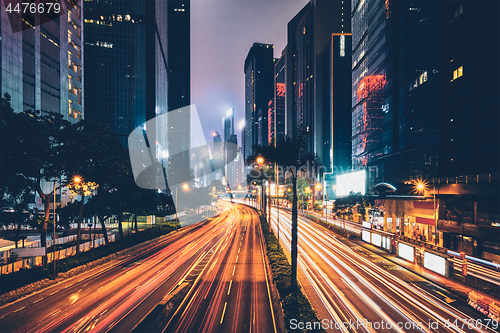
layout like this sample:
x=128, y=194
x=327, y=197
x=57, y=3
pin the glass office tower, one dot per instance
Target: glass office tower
x=126, y=63
x=42, y=61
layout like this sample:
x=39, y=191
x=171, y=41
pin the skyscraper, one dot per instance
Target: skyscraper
x=228, y=125
x=259, y=80
x=470, y=83
x=179, y=86
x=396, y=90
x=42, y=61
x=276, y=106
x=179, y=53
x=126, y=63
x=425, y=106
x=318, y=61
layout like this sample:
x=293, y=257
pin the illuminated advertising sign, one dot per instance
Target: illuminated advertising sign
x=351, y=182
x=26, y=252
x=406, y=252
x=365, y=235
x=435, y=263
x=377, y=240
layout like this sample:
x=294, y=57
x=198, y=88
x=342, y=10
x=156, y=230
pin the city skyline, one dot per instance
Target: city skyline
x=364, y=197
x=222, y=32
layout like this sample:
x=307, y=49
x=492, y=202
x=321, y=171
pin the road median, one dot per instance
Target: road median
x=295, y=304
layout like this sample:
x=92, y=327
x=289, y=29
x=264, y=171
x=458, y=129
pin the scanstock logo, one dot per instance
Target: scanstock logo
x=170, y=153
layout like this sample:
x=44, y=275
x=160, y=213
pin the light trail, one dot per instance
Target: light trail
x=338, y=275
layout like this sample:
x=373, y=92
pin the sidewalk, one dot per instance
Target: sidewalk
x=458, y=288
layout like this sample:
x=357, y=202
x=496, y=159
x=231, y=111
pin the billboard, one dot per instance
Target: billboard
x=365, y=235
x=406, y=252
x=435, y=263
x=27, y=252
x=376, y=240
x=351, y=182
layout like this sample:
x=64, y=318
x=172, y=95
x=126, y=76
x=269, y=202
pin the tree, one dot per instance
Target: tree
x=79, y=186
x=291, y=155
x=94, y=152
x=31, y=154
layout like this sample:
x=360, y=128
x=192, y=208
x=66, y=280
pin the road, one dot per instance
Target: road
x=486, y=271
x=355, y=290
x=117, y=295
x=231, y=294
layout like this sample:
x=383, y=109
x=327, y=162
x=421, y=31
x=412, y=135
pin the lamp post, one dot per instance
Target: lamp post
x=306, y=190
x=420, y=187
x=79, y=187
x=317, y=188
x=185, y=188
x=54, y=236
x=277, y=197
x=260, y=161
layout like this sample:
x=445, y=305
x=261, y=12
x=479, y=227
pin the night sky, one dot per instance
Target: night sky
x=222, y=32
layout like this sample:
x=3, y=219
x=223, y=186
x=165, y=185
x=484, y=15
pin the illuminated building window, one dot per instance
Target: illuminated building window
x=119, y=18
x=69, y=37
x=458, y=11
x=69, y=15
x=458, y=72
x=69, y=82
x=423, y=77
x=69, y=58
x=342, y=45
x=69, y=108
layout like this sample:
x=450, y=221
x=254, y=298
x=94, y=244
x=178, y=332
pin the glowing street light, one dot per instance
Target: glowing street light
x=80, y=187
x=419, y=186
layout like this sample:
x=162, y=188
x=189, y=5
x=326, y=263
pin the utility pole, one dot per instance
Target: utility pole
x=54, y=236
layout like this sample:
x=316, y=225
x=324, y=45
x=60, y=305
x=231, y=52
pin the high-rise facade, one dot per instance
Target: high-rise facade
x=42, y=60
x=179, y=87
x=470, y=85
x=126, y=63
x=179, y=53
x=395, y=90
x=228, y=125
x=259, y=80
x=318, y=60
x=276, y=109
x=425, y=106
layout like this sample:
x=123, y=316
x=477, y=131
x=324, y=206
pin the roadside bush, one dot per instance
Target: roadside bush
x=295, y=304
x=21, y=278
x=66, y=264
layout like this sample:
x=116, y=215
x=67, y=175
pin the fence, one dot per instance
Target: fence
x=61, y=254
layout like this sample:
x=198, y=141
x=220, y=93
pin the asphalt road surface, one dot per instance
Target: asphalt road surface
x=355, y=290
x=118, y=295
x=231, y=294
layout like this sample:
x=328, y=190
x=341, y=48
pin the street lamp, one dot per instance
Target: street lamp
x=80, y=187
x=185, y=188
x=54, y=236
x=317, y=189
x=306, y=190
x=420, y=186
